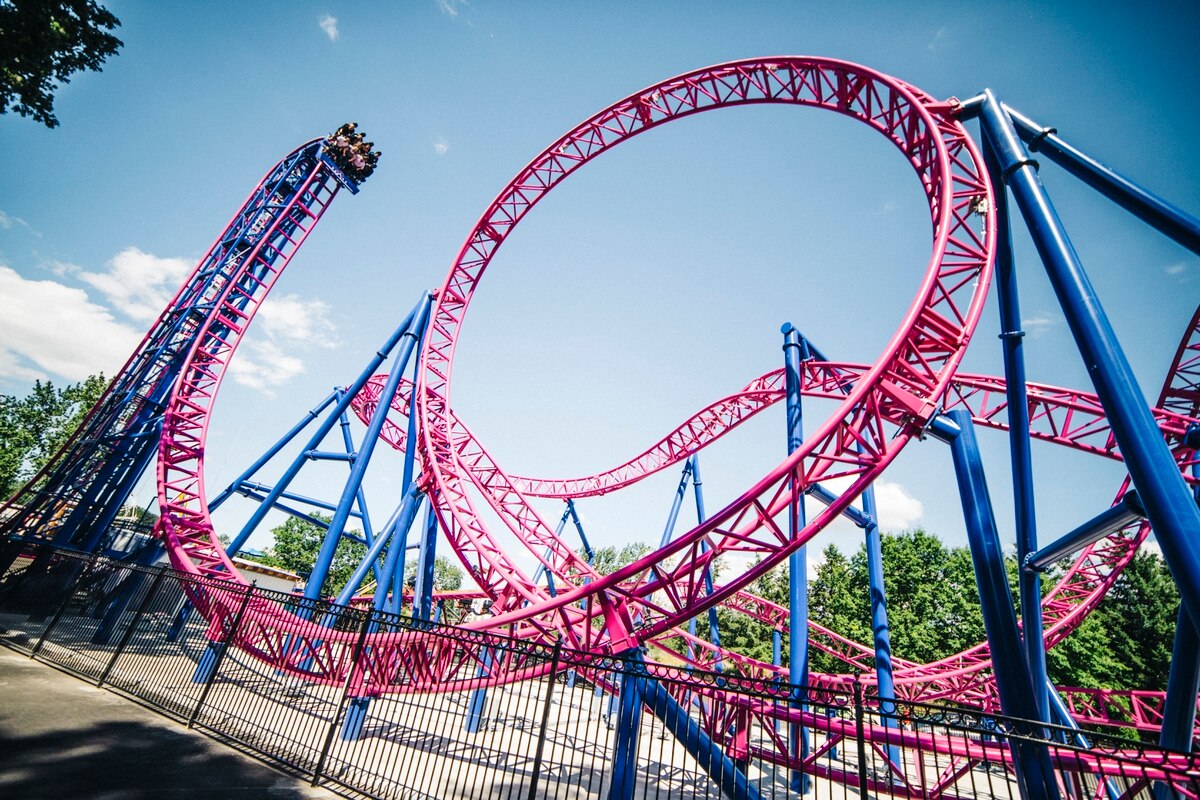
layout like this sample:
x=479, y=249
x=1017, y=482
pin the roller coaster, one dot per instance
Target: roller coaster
x=159, y=406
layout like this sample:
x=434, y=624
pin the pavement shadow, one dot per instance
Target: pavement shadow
x=124, y=760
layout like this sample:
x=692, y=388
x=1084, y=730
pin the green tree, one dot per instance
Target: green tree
x=446, y=575
x=748, y=636
x=1126, y=643
x=297, y=543
x=43, y=43
x=34, y=427
x=610, y=559
x=933, y=612
x=933, y=605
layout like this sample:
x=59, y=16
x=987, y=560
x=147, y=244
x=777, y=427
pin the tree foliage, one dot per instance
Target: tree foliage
x=44, y=42
x=610, y=559
x=933, y=612
x=1126, y=642
x=297, y=543
x=34, y=427
x=446, y=575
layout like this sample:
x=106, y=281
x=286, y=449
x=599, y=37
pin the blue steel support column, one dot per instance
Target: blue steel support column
x=1119, y=515
x=676, y=504
x=583, y=540
x=1035, y=775
x=1153, y=210
x=797, y=561
x=477, y=704
x=410, y=447
x=1029, y=583
x=1163, y=492
x=1183, y=682
x=426, y=561
x=638, y=688
x=714, y=631
x=1062, y=716
x=629, y=724
x=879, y=620
x=395, y=533
x=272, y=451
x=370, y=439
x=344, y=399
x=361, y=495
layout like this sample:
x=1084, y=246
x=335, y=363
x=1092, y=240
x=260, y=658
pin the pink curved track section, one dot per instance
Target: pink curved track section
x=880, y=407
x=1061, y=416
x=885, y=407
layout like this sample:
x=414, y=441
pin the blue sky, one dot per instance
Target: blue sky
x=650, y=283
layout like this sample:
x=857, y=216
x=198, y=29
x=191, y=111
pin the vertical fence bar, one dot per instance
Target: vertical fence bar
x=68, y=595
x=860, y=736
x=137, y=618
x=355, y=656
x=541, y=742
x=220, y=656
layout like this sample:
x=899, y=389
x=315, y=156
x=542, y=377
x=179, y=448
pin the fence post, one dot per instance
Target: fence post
x=224, y=648
x=541, y=743
x=137, y=618
x=68, y=595
x=355, y=656
x=860, y=735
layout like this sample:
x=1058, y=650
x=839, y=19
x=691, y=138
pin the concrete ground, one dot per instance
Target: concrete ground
x=63, y=738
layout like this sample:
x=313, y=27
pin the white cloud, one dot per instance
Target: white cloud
x=263, y=366
x=7, y=222
x=896, y=509
x=328, y=24
x=1177, y=269
x=293, y=320
x=938, y=39
x=1039, y=324
x=48, y=329
x=286, y=324
x=451, y=7
x=441, y=146
x=60, y=269
x=139, y=285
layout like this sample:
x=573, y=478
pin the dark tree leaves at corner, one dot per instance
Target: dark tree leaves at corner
x=43, y=43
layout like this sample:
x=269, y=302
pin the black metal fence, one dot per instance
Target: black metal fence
x=557, y=735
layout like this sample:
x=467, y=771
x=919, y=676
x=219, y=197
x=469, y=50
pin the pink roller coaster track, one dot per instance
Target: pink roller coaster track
x=880, y=407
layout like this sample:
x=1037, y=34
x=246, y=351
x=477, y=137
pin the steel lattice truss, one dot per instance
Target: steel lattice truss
x=173, y=378
x=95, y=470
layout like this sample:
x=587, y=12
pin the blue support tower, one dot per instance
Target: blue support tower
x=74, y=500
x=1012, y=337
x=1035, y=775
x=410, y=339
x=879, y=621
x=797, y=562
x=638, y=689
x=1162, y=490
x=426, y=562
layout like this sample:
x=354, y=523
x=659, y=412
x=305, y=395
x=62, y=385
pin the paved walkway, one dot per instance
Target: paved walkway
x=62, y=738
